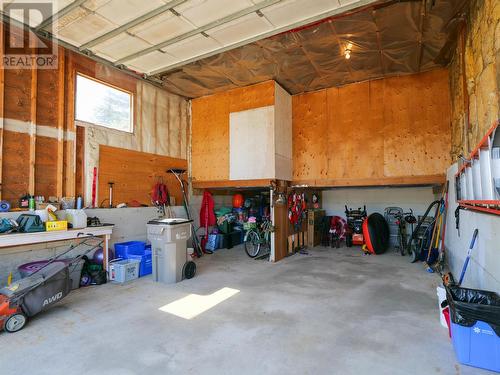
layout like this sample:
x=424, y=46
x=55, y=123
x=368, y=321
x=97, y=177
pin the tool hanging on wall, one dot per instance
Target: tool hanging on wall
x=457, y=218
x=469, y=253
x=297, y=209
x=110, y=184
x=161, y=198
x=94, y=188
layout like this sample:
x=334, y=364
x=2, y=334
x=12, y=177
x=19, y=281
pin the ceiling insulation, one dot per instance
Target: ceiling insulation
x=386, y=39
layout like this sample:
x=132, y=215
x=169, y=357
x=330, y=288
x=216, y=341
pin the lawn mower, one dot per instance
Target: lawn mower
x=355, y=219
x=46, y=286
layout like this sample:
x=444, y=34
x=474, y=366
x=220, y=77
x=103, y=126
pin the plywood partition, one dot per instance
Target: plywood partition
x=210, y=127
x=134, y=173
x=394, y=131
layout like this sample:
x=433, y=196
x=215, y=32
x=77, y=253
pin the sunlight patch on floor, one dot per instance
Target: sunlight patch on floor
x=193, y=305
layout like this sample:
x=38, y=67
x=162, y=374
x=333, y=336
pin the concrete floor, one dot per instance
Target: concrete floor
x=334, y=311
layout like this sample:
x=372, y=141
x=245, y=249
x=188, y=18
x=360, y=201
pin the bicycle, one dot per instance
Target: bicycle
x=258, y=237
x=403, y=218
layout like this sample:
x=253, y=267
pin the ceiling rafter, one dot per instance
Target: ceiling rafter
x=136, y=21
x=67, y=9
x=199, y=30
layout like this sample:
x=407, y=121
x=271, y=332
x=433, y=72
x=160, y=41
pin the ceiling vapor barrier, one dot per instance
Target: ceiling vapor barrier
x=385, y=39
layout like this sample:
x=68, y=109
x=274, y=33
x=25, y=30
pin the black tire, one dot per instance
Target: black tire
x=402, y=245
x=15, y=322
x=189, y=270
x=348, y=241
x=252, y=244
x=414, y=255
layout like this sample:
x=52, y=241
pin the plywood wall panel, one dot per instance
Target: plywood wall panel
x=255, y=96
x=45, y=166
x=17, y=101
x=210, y=127
x=417, y=124
x=310, y=138
x=15, y=178
x=384, y=130
x=210, y=138
x=48, y=98
x=134, y=174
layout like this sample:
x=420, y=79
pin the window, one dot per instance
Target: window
x=103, y=105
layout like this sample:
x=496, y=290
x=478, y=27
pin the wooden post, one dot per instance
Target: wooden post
x=60, y=122
x=70, y=149
x=2, y=106
x=32, y=144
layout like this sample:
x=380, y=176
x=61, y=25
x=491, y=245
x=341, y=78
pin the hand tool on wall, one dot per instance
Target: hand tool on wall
x=110, y=184
x=94, y=188
x=467, y=259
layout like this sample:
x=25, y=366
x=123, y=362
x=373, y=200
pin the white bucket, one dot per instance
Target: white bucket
x=441, y=293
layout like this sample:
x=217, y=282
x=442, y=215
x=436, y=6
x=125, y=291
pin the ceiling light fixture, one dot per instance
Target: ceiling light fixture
x=348, y=50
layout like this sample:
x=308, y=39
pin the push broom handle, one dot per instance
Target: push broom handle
x=469, y=252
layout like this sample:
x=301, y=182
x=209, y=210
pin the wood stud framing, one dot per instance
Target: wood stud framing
x=2, y=106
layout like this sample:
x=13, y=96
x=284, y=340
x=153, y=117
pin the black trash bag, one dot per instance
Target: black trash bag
x=467, y=306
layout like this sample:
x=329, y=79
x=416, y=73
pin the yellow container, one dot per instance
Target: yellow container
x=56, y=225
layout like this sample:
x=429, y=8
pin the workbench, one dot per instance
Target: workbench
x=18, y=239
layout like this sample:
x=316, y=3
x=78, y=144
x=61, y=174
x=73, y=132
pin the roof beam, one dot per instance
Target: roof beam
x=129, y=25
x=61, y=13
x=211, y=25
x=307, y=21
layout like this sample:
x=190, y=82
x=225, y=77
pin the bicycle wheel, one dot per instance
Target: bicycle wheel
x=403, y=245
x=252, y=244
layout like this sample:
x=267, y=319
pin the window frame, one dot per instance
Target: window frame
x=107, y=84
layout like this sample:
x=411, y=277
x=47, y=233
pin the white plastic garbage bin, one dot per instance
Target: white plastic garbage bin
x=168, y=245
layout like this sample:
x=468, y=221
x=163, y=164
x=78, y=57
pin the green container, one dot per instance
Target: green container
x=226, y=227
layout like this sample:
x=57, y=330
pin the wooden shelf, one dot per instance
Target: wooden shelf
x=225, y=184
x=490, y=207
x=376, y=181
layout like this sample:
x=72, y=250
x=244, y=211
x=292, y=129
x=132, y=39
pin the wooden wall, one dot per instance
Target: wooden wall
x=33, y=127
x=210, y=128
x=386, y=132
x=134, y=173
x=43, y=151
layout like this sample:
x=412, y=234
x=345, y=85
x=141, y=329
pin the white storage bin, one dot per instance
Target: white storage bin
x=121, y=271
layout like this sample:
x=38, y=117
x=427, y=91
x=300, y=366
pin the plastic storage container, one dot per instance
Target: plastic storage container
x=475, y=327
x=146, y=266
x=136, y=250
x=124, y=249
x=121, y=271
x=77, y=218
